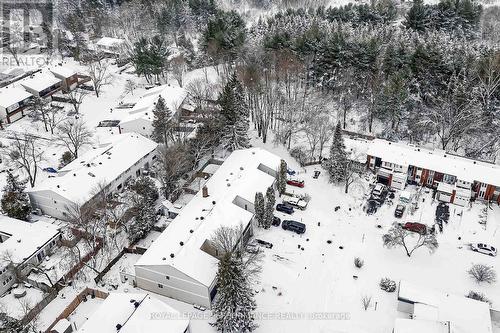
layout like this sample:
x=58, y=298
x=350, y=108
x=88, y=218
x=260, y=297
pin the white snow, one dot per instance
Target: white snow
x=464, y=314
x=110, y=42
x=23, y=239
x=63, y=71
x=436, y=160
x=40, y=81
x=101, y=165
x=9, y=96
x=238, y=176
x=151, y=315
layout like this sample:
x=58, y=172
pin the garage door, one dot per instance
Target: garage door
x=445, y=197
x=461, y=201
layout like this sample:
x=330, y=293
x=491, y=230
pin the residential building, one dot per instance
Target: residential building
x=67, y=75
x=456, y=179
x=182, y=262
x=42, y=84
x=23, y=245
x=132, y=313
x=140, y=117
x=13, y=101
x=108, y=166
x=109, y=45
x=431, y=311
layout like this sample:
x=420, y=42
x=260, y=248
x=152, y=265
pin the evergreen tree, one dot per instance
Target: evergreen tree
x=234, y=115
x=144, y=220
x=146, y=188
x=269, y=211
x=234, y=302
x=336, y=163
x=281, y=179
x=14, y=201
x=161, y=121
x=417, y=17
x=259, y=208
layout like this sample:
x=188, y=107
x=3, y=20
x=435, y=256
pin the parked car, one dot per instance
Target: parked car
x=378, y=190
x=295, y=182
x=415, y=227
x=290, y=172
x=294, y=226
x=484, y=249
x=276, y=221
x=295, y=202
x=316, y=174
x=264, y=243
x=371, y=207
x=400, y=209
x=284, y=208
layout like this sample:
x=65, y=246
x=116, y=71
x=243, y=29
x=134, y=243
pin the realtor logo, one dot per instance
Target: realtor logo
x=26, y=28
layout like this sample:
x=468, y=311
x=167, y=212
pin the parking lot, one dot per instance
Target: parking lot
x=314, y=271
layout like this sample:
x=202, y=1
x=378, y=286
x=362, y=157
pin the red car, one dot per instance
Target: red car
x=295, y=182
x=415, y=227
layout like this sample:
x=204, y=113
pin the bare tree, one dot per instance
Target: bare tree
x=76, y=97
x=174, y=161
x=99, y=73
x=410, y=241
x=54, y=117
x=179, y=68
x=73, y=135
x=230, y=240
x=25, y=153
x=482, y=273
x=41, y=107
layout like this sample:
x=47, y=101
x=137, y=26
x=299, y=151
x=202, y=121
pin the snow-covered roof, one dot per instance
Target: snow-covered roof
x=104, y=163
x=110, y=41
x=23, y=239
x=357, y=148
x=402, y=325
x=464, y=314
x=436, y=160
x=12, y=95
x=143, y=109
x=120, y=308
x=63, y=71
x=40, y=81
x=239, y=176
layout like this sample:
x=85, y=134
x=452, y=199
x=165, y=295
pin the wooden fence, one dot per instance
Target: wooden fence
x=82, y=296
x=39, y=307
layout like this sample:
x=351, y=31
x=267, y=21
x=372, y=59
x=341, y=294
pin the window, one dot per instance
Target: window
x=160, y=286
x=138, y=173
x=119, y=187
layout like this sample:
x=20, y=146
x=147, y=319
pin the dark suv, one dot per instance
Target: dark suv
x=284, y=208
x=400, y=209
x=294, y=226
x=276, y=221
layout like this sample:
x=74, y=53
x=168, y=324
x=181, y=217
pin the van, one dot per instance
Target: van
x=294, y=226
x=295, y=202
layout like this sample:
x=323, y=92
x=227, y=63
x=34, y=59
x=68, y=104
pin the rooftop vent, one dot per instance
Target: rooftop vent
x=118, y=327
x=181, y=243
x=205, y=191
x=88, y=165
x=213, y=202
x=74, y=174
x=241, y=168
x=58, y=186
x=136, y=304
x=91, y=174
x=19, y=240
x=172, y=255
x=132, y=301
x=163, y=258
x=202, y=218
x=191, y=231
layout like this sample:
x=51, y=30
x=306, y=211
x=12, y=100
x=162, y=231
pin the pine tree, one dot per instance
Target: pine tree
x=144, y=220
x=269, y=211
x=161, y=121
x=234, y=301
x=14, y=201
x=146, y=188
x=281, y=179
x=417, y=17
x=234, y=115
x=259, y=209
x=336, y=163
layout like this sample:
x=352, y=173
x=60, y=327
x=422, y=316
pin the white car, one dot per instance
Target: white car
x=295, y=202
x=378, y=190
x=484, y=248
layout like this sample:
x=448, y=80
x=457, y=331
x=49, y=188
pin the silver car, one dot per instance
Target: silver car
x=484, y=249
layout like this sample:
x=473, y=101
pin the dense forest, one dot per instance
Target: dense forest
x=424, y=73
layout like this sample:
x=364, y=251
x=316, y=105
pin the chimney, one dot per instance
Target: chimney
x=205, y=191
